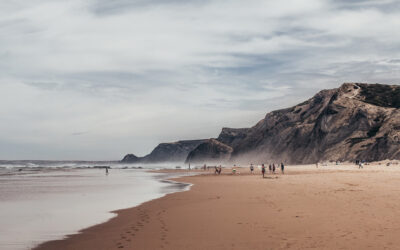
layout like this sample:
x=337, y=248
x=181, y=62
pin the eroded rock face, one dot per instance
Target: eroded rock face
x=355, y=121
x=380, y=95
x=131, y=158
x=172, y=152
x=210, y=151
x=166, y=152
x=232, y=136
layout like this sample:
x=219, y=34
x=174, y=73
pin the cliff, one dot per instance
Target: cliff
x=355, y=121
x=166, y=152
x=210, y=151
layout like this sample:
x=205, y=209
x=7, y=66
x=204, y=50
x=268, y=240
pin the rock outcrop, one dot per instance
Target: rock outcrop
x=130, y=158
x=210, y=151
x=355, y=121
x=166, y=152
x=232, y=136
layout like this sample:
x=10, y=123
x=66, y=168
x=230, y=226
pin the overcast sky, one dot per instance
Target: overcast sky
x=96, y=79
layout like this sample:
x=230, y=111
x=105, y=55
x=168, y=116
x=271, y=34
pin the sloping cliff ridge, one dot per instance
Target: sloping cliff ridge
x=166, y=152
x=354, y=121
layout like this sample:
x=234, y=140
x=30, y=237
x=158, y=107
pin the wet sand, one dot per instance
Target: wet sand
x=326, y=208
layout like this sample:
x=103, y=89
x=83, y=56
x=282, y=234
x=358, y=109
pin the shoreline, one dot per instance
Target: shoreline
x=166, y=178
x=324, y=208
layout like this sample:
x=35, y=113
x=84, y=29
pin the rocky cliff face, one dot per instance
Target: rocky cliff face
x=355, y=121
x=166, y=152
x=232, y=136
x=210, y=151
x=130, y=158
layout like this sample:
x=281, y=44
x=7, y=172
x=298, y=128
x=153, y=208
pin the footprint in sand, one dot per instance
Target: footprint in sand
x=129, y=232
x=351, y=184
x=164, y=231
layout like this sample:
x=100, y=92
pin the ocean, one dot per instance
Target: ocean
x=49, y=200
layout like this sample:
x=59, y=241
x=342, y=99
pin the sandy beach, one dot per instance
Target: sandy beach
x=330, y=207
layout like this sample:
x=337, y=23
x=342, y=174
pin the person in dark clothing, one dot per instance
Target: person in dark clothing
x=251, y=168
x=282, y=168
x=270, y=168
x=263, y=170
x=273, y=168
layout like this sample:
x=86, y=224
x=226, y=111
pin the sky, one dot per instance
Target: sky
x=97, y=79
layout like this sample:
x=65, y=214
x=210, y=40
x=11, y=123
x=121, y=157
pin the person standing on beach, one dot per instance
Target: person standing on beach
x=273, y=168
x=282, y=168
x=251, y=168
x=263, y=170
x=219, y=169
x=106, y=170
x=270, y=168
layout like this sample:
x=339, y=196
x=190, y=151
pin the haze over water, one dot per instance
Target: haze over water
x=40, y=204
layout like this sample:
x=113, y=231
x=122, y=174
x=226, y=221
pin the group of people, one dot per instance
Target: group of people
x=271, y=167
x=218, y=169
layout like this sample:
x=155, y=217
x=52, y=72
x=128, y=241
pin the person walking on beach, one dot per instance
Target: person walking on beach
x=216, y=170
x=282, y=168
x=270, y=168
x=263, y=170
x=106, y=170
x=273, y=168
x=219, y=169
x=251, y=168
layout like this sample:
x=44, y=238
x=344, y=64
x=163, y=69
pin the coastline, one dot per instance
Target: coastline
x=169, y=178
x=324, y=208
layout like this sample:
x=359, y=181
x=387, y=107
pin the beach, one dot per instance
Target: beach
x=45, y=202
x=330, y=207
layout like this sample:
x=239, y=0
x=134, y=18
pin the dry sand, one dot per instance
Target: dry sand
x=333, y=207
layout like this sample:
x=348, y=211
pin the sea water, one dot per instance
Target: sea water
x=41, y=203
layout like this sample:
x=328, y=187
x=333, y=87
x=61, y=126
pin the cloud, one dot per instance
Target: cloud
x=135, y=73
